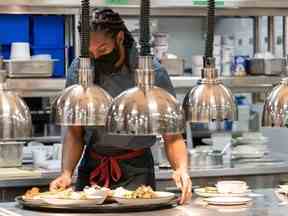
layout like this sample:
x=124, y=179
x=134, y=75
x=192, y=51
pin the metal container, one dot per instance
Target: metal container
x=203, y=159
x=174, y=67
x=11, y=154
x=29, y=68
x=270, y=67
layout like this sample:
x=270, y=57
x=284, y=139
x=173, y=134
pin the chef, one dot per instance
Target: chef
x=104, y=160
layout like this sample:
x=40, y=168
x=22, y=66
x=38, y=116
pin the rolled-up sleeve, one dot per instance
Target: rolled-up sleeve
x=162, y=78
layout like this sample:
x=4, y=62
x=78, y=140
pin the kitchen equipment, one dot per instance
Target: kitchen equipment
x=210, y=104
x=11, y=154
x=20, y=51
x=15, y=117
x=174, y=67
x=145, y=109
x=267, y=64
x=83, y=104
x=203, y=159
x=105, y=208
x=29, y=68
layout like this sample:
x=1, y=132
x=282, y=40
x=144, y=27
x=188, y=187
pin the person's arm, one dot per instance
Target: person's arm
x=177, y=155
x=72, y=151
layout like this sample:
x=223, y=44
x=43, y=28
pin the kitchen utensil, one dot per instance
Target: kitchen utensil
x=211, y=159
x=29, y=68
x=232, y=187
x=20, y=51
x=228, y=200
x=11, y=154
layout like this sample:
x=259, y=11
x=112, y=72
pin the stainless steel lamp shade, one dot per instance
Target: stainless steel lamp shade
x=145, y=109
x=209, y=101
x=15, y=117
x=82, y=104
x=275, y=112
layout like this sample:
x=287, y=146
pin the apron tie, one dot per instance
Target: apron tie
x=109, y=167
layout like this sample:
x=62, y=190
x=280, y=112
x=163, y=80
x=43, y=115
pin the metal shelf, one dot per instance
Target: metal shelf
x=51, y=87
x=36, y=87
x=236, y=84
x=159, y=7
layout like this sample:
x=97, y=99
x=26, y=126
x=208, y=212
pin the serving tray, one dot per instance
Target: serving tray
x=105, y=208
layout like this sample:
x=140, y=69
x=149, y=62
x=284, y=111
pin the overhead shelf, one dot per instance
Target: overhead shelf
x=237, y=84
x=51, y=87
x=159, y=7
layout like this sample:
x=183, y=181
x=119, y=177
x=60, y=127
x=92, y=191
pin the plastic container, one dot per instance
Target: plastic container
x=20, y=51
x=59, y=54
x=48, y=31
x=11, y=154
x=14, y=28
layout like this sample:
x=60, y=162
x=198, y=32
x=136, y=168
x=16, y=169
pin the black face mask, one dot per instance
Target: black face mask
x=106, y=63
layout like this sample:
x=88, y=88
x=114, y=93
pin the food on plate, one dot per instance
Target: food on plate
x=210, y=190
x=30, y=194
x=283, y=189
x=68, y=194
x=142, y=192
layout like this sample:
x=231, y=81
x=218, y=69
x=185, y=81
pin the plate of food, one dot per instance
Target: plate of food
x=207, y=192
x=89, y=196
x=143, y=195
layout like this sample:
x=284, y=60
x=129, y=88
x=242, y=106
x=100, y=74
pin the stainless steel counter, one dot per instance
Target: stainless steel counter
x=266, y=204
x=249, y=168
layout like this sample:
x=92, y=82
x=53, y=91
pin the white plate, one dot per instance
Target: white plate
x=228, y=200
x=202, y=193
x=67, y=202
x=162, y=198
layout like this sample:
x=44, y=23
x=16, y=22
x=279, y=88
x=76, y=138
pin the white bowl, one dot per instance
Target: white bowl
x=235, y=187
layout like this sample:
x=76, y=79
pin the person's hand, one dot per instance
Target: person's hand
x=183, y=182
x=64, y=181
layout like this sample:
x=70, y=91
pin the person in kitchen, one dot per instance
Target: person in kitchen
x=104, y=162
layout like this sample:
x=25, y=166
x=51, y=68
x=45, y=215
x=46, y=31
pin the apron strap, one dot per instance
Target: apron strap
x=109, y=167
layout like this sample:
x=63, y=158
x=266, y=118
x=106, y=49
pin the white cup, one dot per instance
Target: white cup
x=57, y=151
x=197, y=61
x=235, y=187
x=20, y=51
x=39, y=156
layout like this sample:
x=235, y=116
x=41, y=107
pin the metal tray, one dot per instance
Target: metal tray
x=29, y=68
x=105, y=208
